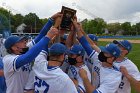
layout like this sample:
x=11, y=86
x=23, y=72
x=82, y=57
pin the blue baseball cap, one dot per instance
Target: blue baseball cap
x=93, y=37
x=57, y=49
x=77, y=50
x=10, y=41
x=124, y=43
x=112, y=49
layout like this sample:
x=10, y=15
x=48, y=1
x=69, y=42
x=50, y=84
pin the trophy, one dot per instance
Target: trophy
x=68, y=14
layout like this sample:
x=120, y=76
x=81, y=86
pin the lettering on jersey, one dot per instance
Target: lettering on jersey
x=74, y=72
x=122, y=83
x=40, y=84
x=96, y=75
x=27, y=67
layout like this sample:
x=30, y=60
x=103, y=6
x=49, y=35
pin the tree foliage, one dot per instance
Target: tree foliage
x=93, y=26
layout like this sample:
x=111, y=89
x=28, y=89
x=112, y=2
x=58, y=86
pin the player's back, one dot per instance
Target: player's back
x=52, y=80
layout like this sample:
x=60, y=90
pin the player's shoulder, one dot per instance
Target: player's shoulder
x=111, y=73
x=9, y=58
x=84, y=67
x=61, y=74
x=128, y=63
x=42, y=57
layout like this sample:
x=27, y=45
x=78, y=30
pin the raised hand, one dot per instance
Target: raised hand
x=52, y=32
x=124, y=71
x=58, y=14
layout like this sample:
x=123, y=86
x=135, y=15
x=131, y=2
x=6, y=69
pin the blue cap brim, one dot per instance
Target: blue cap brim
x=103, y=49
x=70, y=52
x=22, y=38
x=120, y=43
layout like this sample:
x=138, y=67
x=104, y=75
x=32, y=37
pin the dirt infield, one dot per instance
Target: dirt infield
x=110, y=40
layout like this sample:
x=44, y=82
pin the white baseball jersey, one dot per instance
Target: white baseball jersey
x=124, y=86
x=30, y=83
x=88, y=62
x=74, y=73
x=105, y=79
x=51, y=79
x=15, y=78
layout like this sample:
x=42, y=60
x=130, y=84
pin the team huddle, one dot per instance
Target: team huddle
x=75, y=64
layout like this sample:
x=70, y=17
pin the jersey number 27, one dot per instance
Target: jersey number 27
x=39, y=84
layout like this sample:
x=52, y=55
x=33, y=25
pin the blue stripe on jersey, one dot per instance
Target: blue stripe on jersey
x=115, y=68
x=73, y=70
x=14, y=63
x=45, y=52
x=97, y=91
x=33, y=42
x=93, y=52
x=50, y=68
x=81, y=89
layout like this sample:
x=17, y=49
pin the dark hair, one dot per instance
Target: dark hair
x=54, y=56
x=9, y=51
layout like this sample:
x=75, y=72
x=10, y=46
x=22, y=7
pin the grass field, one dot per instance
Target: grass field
x=134, y=55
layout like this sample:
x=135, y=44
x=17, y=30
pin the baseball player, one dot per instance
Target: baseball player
x=15, y=60
x=2, y=79
x=76, y=62
x=106, y=77
x=49, y=78
x=125, y=47
x=130, y=78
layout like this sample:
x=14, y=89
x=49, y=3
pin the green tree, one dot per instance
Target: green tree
x=138, y=28
x=5, y=19
x=18, y=19
x=4, y=23
x=32, y=21
x=126, y=27
x=113, y=28
x=95, y=26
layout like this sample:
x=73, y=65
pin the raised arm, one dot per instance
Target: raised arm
x=47, y=27
x=93, y=45
x=70, y=39
x=82, y=39
x=35, y=50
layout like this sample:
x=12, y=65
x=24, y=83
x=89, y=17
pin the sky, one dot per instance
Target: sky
x=110, y=10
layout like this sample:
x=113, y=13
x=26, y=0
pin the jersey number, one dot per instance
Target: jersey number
x=40, y=83
x=122, y=83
